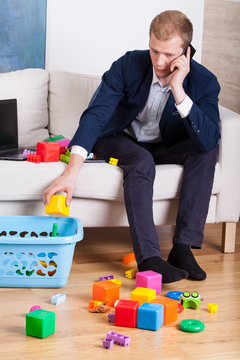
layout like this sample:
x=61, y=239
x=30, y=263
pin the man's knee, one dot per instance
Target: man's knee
x=139, y=164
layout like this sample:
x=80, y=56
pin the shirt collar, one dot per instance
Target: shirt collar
x=156, y=80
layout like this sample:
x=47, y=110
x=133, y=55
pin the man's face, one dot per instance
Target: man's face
x=163, y=52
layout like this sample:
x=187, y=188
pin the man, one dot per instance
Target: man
x=155, y=107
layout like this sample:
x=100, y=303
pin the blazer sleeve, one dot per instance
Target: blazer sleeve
x=101, y=107
x=203, y=121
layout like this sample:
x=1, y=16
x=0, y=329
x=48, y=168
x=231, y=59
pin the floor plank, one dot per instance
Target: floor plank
x=79, y=334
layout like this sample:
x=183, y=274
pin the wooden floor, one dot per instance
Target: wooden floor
x=79, y=334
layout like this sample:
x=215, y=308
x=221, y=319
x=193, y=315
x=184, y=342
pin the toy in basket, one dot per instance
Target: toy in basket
x=30, y=254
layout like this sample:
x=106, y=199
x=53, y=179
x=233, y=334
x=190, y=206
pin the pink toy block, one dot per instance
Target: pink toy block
x=107, y=343
x=35, y=307
x=118, y=339
x=63, y=142
x=149, y=279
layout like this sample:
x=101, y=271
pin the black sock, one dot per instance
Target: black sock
x=182, y=257
x=169, y=272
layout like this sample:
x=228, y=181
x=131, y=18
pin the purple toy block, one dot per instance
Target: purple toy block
x=107, y=343
x=106, y=277
x=111, y=316
x=149, y=279
x=118, y=339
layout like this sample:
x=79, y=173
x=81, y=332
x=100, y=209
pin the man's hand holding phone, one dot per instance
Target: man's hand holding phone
x=179, y=67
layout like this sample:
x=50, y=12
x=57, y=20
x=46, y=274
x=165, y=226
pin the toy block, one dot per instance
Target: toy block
x=34, y=158
x=106, y=277
x=212, y=308
x=105, y=291
x=126, y=313
x=64, y=158
x=149, y=279
x=118, y=339
x=116, y=281
x=35, y=307
x=26, y=152
x=57, y=206
x=40, y=323
x=188, y=300
x=55, y=138
x=170, y=309
x=58, y=299
x=63, y=142
x=113, y=161
x=93, y=304
x=49, y=151
x=150, y=316
x=111, y=316
x=108, y=343
x=128, y=258
x=131, y=274
x=143, y=295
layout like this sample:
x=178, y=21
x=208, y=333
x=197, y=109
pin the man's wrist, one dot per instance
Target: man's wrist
x=179, y=94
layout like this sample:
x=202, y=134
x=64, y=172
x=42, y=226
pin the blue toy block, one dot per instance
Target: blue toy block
x=150, y=316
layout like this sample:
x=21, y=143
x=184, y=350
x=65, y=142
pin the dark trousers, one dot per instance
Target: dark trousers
x=138, y=160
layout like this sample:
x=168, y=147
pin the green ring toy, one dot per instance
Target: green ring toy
x=191, y=325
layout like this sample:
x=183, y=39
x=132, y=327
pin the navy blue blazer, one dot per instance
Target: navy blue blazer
x=123, y=92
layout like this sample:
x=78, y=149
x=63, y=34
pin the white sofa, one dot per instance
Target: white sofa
x=51, y=104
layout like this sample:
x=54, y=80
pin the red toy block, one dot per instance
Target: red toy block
x=170, y=308
x=106, y=291
x=34, y=158
x=48, y=151
x=126, y=313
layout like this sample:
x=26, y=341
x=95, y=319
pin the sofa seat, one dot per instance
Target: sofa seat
x=24, y=180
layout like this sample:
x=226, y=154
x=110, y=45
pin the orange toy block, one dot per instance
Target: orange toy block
x=49, y=151
x=106, y=290
x=128, y=258
x=170, y=308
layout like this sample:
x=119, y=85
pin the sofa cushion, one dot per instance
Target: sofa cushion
x=69, y=95
x=30, y=88
x=27, y=181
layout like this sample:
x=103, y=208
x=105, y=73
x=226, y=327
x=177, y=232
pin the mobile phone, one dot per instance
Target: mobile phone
x=192, y=50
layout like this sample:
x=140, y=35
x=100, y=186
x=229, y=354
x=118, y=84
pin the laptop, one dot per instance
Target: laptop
x=9, y=149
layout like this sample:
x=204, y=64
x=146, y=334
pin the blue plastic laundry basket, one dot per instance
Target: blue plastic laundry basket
x=30, y=256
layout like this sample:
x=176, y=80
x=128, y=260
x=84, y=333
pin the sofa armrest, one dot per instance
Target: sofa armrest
x=228, y=203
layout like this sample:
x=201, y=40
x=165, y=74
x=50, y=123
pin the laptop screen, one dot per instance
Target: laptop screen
x=8, y=124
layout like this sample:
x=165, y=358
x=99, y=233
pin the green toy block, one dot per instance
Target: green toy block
x=54, y=138
x=40, y=323
x=64, y=158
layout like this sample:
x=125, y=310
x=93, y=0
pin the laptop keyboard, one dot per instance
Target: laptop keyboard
x=11, y=152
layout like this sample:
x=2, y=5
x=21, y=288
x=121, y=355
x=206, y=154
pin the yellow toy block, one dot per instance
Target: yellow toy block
x=212, y=308
x=143, y=295
x=57, y=206
x=113, y=161
x=131, y=274
x=116, y=281
x=93, y=304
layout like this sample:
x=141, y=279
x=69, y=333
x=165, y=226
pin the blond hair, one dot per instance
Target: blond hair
x=171, y=23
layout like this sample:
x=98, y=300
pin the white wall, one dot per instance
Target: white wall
x=86, y=36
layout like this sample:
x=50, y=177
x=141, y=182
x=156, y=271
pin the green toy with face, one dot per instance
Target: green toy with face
x=190, y=300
